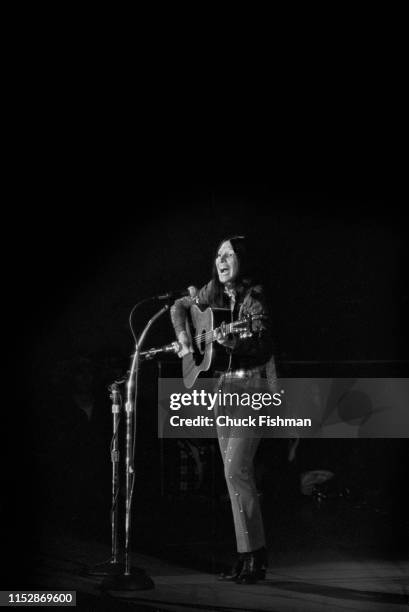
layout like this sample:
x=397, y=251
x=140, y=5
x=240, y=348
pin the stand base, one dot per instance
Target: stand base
x=109, y=568
x=125, y=585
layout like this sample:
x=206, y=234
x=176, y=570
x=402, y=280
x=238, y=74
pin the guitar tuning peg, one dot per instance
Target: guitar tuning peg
x=246, y=334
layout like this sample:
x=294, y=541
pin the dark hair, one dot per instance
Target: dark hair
x=246, y=271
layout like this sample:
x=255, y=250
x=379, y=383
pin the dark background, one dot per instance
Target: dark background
x=334, y=267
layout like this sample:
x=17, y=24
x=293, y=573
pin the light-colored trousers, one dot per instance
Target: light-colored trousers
x=238, y=456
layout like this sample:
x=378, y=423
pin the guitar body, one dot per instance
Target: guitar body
x=206, y=353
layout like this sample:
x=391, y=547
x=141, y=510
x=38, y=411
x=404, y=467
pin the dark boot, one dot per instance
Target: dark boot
x=254, y=567
x=232, y=574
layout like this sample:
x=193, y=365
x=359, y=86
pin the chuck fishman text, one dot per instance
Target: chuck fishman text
x=250, y=421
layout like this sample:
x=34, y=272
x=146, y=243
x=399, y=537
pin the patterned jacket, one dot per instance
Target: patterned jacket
x=247, y=353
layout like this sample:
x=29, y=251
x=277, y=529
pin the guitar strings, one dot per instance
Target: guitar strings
x=208, y=335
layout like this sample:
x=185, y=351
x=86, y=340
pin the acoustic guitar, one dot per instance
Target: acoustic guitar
x=202, y=328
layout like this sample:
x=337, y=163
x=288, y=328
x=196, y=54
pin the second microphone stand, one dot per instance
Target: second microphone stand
x=133, y=579
x=113, y=566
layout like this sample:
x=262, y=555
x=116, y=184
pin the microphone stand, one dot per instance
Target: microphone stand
x=113, y=567
x=133, y=579
x=116, y=405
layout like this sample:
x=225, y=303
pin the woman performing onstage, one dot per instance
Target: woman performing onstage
x=251, y=362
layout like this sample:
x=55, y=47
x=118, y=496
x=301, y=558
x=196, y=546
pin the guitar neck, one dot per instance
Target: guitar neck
x=228, y=328
x=207, y=336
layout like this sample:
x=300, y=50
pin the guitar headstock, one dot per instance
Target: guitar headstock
x=243, y=326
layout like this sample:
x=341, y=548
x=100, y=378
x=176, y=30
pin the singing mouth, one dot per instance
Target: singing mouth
x=223, y=270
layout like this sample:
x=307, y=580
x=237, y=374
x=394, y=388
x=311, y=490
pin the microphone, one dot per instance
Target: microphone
x=175, y=347
x=190, y=291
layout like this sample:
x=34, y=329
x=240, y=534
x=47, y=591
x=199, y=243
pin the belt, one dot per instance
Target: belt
x=241, y=373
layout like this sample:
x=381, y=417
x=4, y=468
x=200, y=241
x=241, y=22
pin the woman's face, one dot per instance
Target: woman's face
x=227, y=263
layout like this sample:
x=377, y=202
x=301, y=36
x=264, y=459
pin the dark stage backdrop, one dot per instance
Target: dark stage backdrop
x=333, y=266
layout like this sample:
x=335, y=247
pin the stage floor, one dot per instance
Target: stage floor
x=311, y=586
